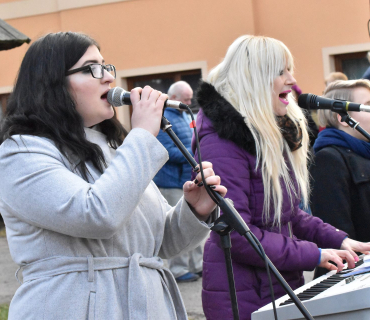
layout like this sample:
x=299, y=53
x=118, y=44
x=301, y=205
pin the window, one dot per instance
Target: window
x=353, y=65
x=162, y=82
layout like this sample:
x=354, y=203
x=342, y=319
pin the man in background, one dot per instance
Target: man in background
x=171, y=178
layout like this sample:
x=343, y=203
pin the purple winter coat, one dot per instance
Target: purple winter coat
x=226, y=141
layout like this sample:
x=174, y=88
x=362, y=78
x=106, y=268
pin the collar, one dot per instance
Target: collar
x=228, y=123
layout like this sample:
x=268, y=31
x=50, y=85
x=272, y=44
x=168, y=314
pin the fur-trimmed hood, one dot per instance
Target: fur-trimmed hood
x=226, y=120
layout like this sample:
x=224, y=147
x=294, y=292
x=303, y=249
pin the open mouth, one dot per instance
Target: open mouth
x=283, y=97
x=104, y=96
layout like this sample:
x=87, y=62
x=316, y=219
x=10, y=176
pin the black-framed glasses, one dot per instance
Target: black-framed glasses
x=96, y=70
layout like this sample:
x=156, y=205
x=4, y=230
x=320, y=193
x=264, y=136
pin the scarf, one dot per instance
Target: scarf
x=336, y=137
x=291, y=133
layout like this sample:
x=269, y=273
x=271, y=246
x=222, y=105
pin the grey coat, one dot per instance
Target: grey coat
x=91, y=250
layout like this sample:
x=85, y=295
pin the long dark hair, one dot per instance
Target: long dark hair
x=41, y=105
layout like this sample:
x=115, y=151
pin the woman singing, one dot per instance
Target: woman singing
x=255, y=135
x=84, y=221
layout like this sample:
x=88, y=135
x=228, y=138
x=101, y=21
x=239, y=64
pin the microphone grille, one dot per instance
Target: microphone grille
x=302, y=101
x=307, y=101
x=115, y=96
x=312, y=100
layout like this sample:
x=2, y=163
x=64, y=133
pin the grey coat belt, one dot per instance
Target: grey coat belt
x=136, y=287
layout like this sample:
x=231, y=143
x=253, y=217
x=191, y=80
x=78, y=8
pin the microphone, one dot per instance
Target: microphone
x=118, y=97
x=311, y=101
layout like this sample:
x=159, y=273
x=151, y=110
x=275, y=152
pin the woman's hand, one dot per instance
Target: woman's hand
x=336, y=256
x=354, y=246
x=197, y=197
x=147, y=107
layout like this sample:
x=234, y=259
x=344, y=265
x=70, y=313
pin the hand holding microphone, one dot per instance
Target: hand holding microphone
x=147, y=106
x=147, y=103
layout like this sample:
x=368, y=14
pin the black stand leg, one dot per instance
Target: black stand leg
x=224, y=232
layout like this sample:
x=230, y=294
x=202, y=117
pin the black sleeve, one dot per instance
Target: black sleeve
x=313, y=130
x=331, y=185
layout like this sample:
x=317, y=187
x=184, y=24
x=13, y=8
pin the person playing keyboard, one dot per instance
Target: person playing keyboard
x=255, y=135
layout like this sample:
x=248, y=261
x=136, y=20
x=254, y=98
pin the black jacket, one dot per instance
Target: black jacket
x=341, y=190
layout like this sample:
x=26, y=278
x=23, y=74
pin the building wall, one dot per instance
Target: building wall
x=144, y=33
x=153, y=36
x=309, y=27
x=139, y=36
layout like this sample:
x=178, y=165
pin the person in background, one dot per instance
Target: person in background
x=171, y=178
x=312, y=126
x=255, y=135
x=366, y=74
x=341, y=167
x=334, y=76
x=84, y=221
x=312, y=133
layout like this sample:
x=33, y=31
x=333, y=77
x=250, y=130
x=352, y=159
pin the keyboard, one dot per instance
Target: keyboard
x=333, y=296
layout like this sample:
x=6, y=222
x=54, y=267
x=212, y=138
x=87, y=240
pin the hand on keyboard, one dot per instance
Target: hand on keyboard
x=354, y=246
x=336, y=256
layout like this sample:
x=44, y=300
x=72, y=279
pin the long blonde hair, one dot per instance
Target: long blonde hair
x=245, y=79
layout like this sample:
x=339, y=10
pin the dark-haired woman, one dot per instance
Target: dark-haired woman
x=84, y=221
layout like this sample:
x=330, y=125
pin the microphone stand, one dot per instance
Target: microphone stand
x=229, y=221
x=353, y=123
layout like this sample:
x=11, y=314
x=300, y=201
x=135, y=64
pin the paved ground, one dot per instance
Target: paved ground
x=8, y=283
x=191, y=293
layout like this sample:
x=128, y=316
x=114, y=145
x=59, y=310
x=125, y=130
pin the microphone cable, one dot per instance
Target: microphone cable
x=193, y=125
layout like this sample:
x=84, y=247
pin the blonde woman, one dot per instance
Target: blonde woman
x=255, y=135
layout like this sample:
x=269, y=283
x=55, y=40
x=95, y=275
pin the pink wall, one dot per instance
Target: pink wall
x=308, y=26
x=136, y=34
x=147, y=33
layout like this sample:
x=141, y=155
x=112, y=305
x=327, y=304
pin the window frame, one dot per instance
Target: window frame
x=329, y=54
x=176, y=75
